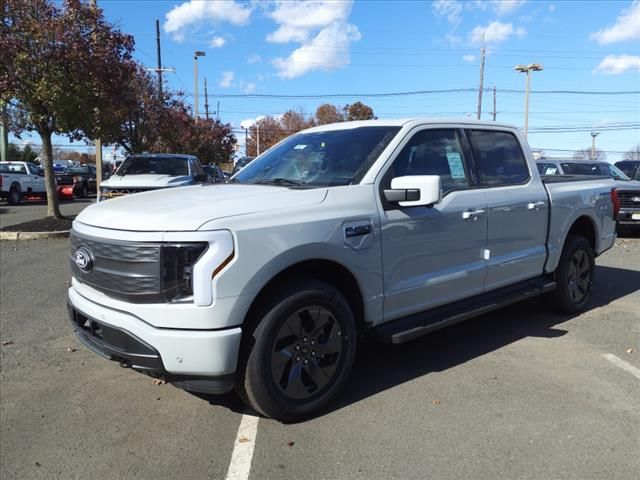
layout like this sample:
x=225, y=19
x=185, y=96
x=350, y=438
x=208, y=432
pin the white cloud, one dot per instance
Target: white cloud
x=297, y=20
x=552, y=8
x=248, y=87
x=329, y=50
x=247, y=123
x=451, y=9
x=255, y=58
x=227, y=80
x=495, y=32
x=627, y=27
x=469, y=58
x=322, y=29
x=197, y=12
x=505, y=7
x=217, y=42
x=617, y=64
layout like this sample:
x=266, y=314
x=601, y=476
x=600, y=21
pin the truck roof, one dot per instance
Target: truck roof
x=401, y=122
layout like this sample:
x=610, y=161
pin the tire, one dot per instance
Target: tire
x=84, y=193
x=299, y=356
x=15, y=196
x=574, y=275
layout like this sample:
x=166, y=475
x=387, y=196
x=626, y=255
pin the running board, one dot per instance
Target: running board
x=414, y=326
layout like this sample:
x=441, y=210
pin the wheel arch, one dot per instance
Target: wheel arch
x=329, y=271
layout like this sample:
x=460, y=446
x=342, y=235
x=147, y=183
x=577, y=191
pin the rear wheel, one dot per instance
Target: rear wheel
x=574, y=275
x=84, y=193
x=301, y=352
x=15, y=196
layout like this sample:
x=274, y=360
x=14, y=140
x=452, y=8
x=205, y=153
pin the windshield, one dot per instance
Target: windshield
x=319, y=159
x=172, y=166
x=594, y=168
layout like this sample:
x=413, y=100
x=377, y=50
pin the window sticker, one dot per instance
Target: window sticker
x=551, y=171
x=455, y=165
x=300, y=147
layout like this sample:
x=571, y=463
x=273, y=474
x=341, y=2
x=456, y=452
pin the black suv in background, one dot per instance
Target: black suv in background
x=630, y=167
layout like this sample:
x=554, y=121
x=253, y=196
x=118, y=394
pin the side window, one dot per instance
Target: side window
x=498, y=157
x=433, y=152
x=196, y=167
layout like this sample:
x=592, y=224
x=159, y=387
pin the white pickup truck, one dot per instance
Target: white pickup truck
x=18, y=179
x=395, y=227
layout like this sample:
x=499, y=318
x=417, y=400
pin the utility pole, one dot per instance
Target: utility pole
x=196, y=54
x=218, y=112
x=4, y=133
x=481, y=79
x=494, y=103
x=206, y=100
x=258, y=139
x=98, y=141
x=593, y=144
x=533, y=67
x=159, y=69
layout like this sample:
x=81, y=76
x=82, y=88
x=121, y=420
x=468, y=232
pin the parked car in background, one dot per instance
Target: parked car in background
x=628, y=189
x=241, y=163
x=392, y=227
x=20, y=179
x=215, y=173
x=151, y=171
x=84, y=179
x=631, y=168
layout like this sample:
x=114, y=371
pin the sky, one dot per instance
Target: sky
x=258, y=52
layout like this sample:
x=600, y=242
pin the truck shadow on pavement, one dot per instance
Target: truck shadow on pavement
x=380, y=366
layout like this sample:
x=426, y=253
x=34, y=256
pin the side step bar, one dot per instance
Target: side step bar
x=414, y=326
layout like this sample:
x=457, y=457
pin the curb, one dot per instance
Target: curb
x=33, y=235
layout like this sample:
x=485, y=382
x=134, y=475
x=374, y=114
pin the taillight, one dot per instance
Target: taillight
x=616, y=202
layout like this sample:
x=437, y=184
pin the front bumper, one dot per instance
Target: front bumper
x=196, y=360
x=629, y=217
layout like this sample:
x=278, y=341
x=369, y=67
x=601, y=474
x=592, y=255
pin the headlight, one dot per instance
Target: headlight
x=176, y=269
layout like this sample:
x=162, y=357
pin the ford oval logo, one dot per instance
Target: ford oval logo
x=83, y=259
x=636, y=199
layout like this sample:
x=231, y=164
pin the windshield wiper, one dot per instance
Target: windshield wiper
x=278, y=181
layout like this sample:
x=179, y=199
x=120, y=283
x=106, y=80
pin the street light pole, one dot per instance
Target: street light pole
x=98, y=141
x=593, y=144
x=258, y=139
x=196, y=54
x=533, y=67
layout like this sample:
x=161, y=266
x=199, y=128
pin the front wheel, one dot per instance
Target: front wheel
x=15, y=196
x=301, y=352
x=574, y=275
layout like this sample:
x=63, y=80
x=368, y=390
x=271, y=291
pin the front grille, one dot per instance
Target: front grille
x=629, y=198
x=119, y=192
x=124, y=270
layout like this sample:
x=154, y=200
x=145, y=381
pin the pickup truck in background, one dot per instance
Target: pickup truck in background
x=20, y=179
x=628, y=187
x=151, y=171
x=396, y=228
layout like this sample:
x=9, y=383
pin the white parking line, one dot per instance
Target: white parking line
x=245, y=442
x=623, y=365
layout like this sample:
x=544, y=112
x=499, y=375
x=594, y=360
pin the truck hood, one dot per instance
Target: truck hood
x=628, y=185
x=145, y=181
x=188, y=208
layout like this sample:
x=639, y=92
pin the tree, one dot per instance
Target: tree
x=24, y=154
x=358, y=111
x=633, y=154
x=587, y=154
x=328, y=113
x=270, y=131
x=293, y=121
x=65, y=67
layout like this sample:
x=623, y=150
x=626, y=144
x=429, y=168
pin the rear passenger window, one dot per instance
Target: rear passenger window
x=434, y=152
x=498, y=157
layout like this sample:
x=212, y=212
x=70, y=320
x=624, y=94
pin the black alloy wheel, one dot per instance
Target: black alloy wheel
x=297, y=351
x=574, y=275
x=306, y=352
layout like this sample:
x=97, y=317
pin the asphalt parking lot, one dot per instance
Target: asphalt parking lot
x=520, y=393
x=35, y=209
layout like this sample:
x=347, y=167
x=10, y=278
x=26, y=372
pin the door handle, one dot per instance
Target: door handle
x=472, y=214
x=535, y=205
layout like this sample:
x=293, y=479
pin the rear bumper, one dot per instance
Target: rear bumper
x=203, y=361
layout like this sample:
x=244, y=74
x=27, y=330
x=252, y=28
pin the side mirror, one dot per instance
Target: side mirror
x=414, y=190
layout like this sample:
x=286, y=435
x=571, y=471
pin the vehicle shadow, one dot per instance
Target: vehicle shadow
x=380, y=366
